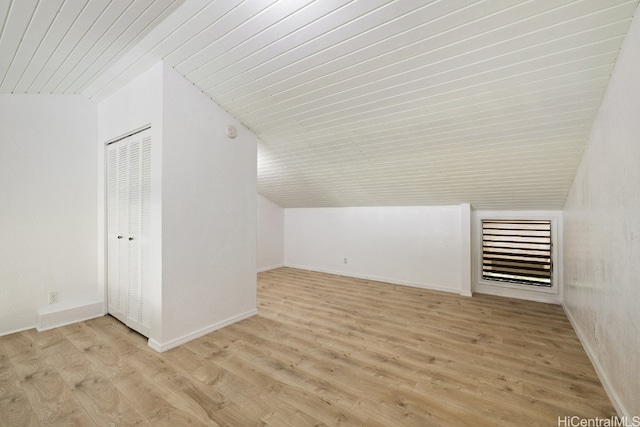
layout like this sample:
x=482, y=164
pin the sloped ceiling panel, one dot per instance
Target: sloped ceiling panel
x=374, y=102
x=58, y=46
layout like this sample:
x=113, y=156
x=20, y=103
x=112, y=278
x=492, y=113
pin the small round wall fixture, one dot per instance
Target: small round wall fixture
x=232, y=132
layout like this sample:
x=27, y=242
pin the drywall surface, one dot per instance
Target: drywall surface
x=270, y=238
x=417, y=246
x=466, y=285
x=136, y=105
x=48, y=205
x=602, y=235
x=208, y=214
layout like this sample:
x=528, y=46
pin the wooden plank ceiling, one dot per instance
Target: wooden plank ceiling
x=356, y=103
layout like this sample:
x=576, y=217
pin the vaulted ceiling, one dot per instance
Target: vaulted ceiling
x=356, y=102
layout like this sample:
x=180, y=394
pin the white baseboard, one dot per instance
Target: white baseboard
x=160, y=347
x=376, y=279
x=53, y=317
x=604, y=379
x=500, y=291
x=271, y=267
x=15, y=331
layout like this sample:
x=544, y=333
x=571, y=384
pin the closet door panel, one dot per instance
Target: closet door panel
x=123, y=227
x=145, y=231
x=133, y=237
x=113, y=257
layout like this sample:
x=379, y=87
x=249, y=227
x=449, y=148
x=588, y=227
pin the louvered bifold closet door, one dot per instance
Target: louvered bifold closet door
x=128, y=200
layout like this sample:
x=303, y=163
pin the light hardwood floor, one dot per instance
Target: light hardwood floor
x=324, y=350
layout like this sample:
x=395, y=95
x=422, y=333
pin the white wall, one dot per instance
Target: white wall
x=602, y=235
x=208, y=215
x=417, y=246
x=135, y=105
x=48, y=205
x=270, y=238
x=203, y=201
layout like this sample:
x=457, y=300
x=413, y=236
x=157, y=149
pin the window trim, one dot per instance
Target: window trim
x=556, y=254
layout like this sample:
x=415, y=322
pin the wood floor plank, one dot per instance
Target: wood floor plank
x=8, y=377
x=324, y=350
x=256, y=401
x=286, y=415
x=200, y=400
x=105, y=404
x=153, y=402
x=52, y=401
x=15, y=409
x=519, y=374
x=97, y=395
x=14, y=405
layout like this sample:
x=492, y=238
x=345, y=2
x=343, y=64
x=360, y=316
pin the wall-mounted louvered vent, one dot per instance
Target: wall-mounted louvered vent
x=517, y=251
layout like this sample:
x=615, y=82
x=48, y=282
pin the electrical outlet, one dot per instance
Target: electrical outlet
x=53, y=297
x=345, y=260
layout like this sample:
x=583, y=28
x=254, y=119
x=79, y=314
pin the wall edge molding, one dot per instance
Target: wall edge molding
x=376, y=279
x=161, y=347
x=604, y=379
x=543, y=297
x=49, y=318
x=271, y=267
x=16, y=331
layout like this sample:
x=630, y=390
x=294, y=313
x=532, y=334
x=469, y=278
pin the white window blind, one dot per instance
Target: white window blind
x=517, y=251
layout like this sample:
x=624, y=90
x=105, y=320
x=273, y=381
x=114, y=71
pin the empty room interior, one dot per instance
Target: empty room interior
x=319, y=212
